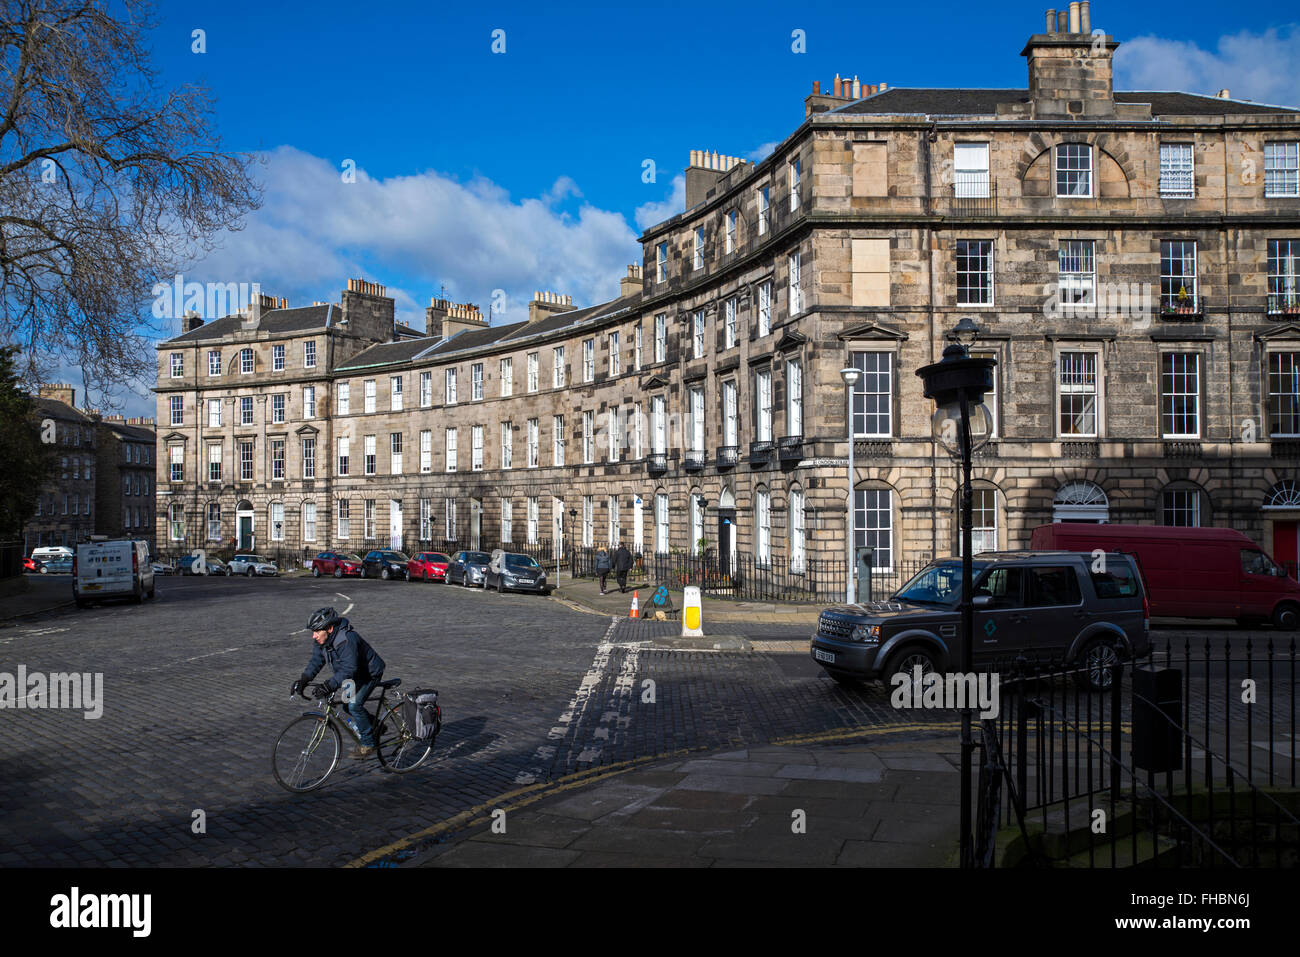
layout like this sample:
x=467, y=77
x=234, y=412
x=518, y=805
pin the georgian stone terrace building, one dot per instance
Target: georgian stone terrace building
x=1130, y=257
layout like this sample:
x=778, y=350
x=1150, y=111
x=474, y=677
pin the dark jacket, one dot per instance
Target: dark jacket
x=602, y=561
x=350, y=657
x=622, y=559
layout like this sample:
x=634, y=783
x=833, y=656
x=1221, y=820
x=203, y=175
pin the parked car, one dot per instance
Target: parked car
x=385, y=564
x=189, y=565
x=31, y=565
x=1047, y=604
x=56, y=566
x=428, y=566
x=510, y=571
x=47, y=552
x=252, y=565
x=112, y=568
x=468, y=568
x=337, y=564
x=1192, y=572
x=162, y=568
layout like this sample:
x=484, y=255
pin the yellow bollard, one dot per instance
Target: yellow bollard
x=692, y=613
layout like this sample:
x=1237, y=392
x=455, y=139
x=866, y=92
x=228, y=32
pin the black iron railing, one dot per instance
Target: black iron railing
x=656, y=462
x=972, y=194
x=727, y=456
x=694, y=461
x=760, y=452
x=1182, y=768
x=1283, y=304
x=790, y=448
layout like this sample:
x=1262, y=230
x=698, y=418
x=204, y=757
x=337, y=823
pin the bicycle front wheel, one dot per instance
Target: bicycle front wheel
x=305, y=753
x=398, y=748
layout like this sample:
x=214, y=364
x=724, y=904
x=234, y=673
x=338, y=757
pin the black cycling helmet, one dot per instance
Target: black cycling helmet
x=322, y=619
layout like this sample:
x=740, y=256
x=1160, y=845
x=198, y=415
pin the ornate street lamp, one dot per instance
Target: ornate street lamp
x=961, y=423
x=850, y=376
x=573, y=548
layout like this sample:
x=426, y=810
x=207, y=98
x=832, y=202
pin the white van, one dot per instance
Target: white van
x=111, y=569
x=50, y=553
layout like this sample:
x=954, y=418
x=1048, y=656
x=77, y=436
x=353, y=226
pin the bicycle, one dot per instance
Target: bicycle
x=312, y=741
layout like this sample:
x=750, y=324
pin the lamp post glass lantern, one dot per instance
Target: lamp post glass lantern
x=850, y=376
x=962, y=423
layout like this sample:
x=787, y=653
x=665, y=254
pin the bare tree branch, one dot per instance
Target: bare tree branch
x=108, y=184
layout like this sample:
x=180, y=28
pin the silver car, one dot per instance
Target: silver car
x=252, y=565
x=468, y=569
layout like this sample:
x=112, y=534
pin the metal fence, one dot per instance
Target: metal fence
x=747, y=578
x=289, y=559
x=1188, y=759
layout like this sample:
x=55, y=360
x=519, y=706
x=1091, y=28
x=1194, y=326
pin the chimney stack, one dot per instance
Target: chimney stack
x=1224, y=95
x=631, y=284
x=59, y=392
x=546, y=304
x=705, y=172
x=1071, y=75
x=190, y=321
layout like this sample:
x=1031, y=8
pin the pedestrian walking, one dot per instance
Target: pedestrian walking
x=622, y=565
x=602, y=566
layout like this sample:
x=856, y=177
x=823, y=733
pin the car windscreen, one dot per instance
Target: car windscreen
x=393, y=557
x=938, y=584
x=438, y=557
x=521, y=561
x=478, y=558
x=350, y=558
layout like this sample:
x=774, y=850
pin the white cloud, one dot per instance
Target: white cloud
x=415, y=233
x=652, y=214
x=1264, y=67
x=763, y=152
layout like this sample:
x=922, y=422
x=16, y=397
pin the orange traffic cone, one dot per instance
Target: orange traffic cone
x=635, y=611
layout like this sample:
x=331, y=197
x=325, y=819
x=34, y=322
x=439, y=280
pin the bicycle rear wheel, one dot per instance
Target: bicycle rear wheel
x=398, y=748
x=305, y=753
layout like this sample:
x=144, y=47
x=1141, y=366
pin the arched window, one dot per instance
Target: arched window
x=1080, y=502
x=763, y=527
x=984, y=511
x=214, y=522
x=661, y=522
x=697, y=542
x=1284, y=495
x=277, y=521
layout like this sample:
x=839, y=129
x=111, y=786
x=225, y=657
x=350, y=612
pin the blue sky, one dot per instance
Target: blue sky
x=523, y=170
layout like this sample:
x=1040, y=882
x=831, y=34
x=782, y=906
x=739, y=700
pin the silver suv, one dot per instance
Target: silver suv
x=1083, y=610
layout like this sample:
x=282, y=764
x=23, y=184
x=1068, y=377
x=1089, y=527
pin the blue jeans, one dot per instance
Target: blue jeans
x=365, y=729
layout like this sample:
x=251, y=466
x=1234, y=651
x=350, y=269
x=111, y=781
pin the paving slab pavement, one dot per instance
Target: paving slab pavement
x=878, y=804
x=585, y=593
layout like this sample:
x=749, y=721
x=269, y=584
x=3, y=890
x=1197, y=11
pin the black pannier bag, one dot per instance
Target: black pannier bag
x=422, y=714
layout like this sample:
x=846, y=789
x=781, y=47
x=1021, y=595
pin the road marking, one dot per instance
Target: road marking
x=343, y=596
x=346, y=610
x=614, y=715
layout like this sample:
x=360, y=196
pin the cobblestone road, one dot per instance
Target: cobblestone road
x=196, y=691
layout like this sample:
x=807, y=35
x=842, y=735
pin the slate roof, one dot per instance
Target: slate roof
x=939, y=102
x=389, y=353
x=59, y=410
x=299, y=319
x=136, y=433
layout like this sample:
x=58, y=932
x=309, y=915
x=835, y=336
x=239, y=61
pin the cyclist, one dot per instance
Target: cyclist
x=352, y=660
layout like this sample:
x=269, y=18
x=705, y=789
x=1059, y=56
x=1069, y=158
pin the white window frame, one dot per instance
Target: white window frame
x=661, y=337
x=278, y=404
x=697, y=260
x=1281, y=168
x=730, y=414
x=309, y=457
x=246, y=362
x=426, y=451
x=507, y=372
x=765, y=308
x=798, y=532
x=532, y=371
x=661, y=523
x=343, y=400
x=476, y=448
x=557, y=368
x=763, y=528
x=476, y=382
x=984, y=292
x=426, y=389
x=1186, y=385
x=507, y=522
x=507, y=445
x=882, y=380
x=1282, y=385
x=1076, y=272
x=177, y=407
x=277, y=357
x=1066, y=163
x=661, y=263
x=395, y=395
x=449, y=448
x=369, y=390
x=449, y=395
x=368, y=520
x=794, y=177
x=867, y=502
x=395, y=453
x=309, y=355
x=1074, y=368
x=588, y=360
x=730, y=309
x=793, y=397
x=309, y=521
x=214, y=363
x=615, y=433
x=557, y=440
x=970, y=166
x=214, y=413
x=729, y=244
x=615, y=360
x=245, y=410
x=1177, y=171
x=588, y=520
x=764, y=210
x=370, y=453
x=534, y=441
x=278, y=465
x=344, y=462
x=276, y=521
x=178, y=365
x=763, y=405
x=532, y=519
x=309, y=402
x=795, y=290
x=588, y=437
x=697, y=420
x=343, y=518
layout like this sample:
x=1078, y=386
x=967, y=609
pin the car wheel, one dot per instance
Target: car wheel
x=385, y=574
x=362, y=573
x=1286, y=617
x=315, y=572
x=501, y=586
x=906, y=660
x=250, y=573
x=1095, y=663
x=44, y=570
x=426, y=576
x=338, y=573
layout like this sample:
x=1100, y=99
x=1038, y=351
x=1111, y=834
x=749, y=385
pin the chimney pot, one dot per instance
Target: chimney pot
x=1225, y=94
x=1074, y=16
x=883, y=87
x=1062, y=21
x=838, y=83
x=1051, y=21
x=1085, y=17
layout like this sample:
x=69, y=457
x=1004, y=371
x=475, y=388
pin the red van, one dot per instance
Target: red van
x=1191, y=572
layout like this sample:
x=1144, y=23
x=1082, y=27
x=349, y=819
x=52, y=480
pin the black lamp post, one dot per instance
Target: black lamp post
x=961, y=422
x=573, y=542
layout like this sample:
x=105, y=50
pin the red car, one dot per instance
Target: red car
x=428, y=566
x=31, y=565
x=337, y=564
